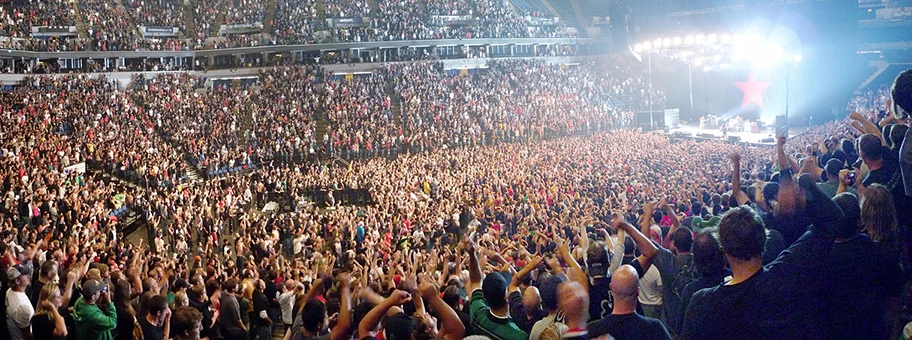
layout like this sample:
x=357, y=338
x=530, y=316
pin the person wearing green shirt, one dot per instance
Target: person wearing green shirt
x=93, y=322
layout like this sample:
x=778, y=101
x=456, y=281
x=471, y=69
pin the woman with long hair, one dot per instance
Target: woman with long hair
x=878, y=216
x=126, y=315
x=47, y=323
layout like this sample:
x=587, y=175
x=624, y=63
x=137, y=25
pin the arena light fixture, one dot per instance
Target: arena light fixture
x=666, y=42
x=657, y=43
x=701, y=39
x=647, y=46
x=725, y=39
x=689, y=40
x=712, y=38
x=638, y=48
x=676, y=41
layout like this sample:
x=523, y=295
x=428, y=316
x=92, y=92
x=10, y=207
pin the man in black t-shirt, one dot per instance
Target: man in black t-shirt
x=884, y=171
x=261, y=322
x=600, y=262
x=624, y=322
x=155, y=325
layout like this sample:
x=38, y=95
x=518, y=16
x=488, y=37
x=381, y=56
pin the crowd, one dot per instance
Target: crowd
x=112, y=27
x=160, y=13
x=244, y=12
x=346, y=9
x=524, y=232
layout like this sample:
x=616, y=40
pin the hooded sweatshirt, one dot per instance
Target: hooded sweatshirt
x=94, y=323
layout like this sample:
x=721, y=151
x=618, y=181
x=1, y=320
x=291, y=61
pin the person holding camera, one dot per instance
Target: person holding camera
x=92, y=321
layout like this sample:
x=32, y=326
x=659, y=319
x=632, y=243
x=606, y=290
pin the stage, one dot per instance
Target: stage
x=764, y=136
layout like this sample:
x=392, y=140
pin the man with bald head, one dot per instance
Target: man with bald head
x=624, y=322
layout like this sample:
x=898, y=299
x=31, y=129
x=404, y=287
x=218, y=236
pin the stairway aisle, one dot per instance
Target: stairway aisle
x=81, y=30
x=268, y=22
x=220, y=19
x=579, y=16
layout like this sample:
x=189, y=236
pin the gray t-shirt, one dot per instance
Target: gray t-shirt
x=230, y=313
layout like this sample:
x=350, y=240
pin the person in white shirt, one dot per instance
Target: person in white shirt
x=19, y=309
x=287, y=300
x=650, y=296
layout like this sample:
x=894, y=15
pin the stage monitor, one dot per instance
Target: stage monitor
x=672, y=118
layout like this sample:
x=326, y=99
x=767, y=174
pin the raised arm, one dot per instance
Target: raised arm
x=453, y=329
x=373, y=318
x=786, y=197
x=647, y=249
x=514, y=283
x=475, y=275
x=740, y=196
x=343, y=328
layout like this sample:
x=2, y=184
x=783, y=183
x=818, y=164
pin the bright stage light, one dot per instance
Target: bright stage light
x=798, y=58
x=647, y=46
x=712, y=38
x=689, y=40
x=666, y=42
x=698, y=61
x=701, y=39
x=638, y=48
x=657, y=43
x=725, y=39
x=676, y=41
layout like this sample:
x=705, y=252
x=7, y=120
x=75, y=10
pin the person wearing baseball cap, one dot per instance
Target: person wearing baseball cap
x=19, y=310
x=91, y=321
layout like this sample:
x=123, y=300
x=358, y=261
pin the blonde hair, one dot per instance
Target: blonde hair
x=48, y=292
x=180, y=300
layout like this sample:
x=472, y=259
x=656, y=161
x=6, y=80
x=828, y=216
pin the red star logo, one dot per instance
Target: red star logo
x=753, y=91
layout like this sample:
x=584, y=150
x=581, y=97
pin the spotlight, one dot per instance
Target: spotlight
x=798, y=58
x=677, y=41
x=698, y=61
x=657, y=43
x=647, y=46
x=638, y=48
x=725, y=39
x=701, y=39
x=689, y=40
x=712, y=38
x=666, y=42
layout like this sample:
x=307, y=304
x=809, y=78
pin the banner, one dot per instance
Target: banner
x=79, y=168
x=451, y=20
x=349, y=22
x=255, y=27
x=159, y=31
x=542, y=21
x=52, y=31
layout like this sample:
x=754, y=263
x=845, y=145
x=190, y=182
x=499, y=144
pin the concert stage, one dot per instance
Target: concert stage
x=764, y=136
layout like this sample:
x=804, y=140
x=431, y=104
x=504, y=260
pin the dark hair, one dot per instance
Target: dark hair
x=156, y=304
x=312, y=315
x=742, y=234
x=184, y=319
x=122, y=292
x=902, y=91
x=230, y=285
x=683, y=239
x=871, y=147
x=707, y=253
x=48, y=267
x=848, y=226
